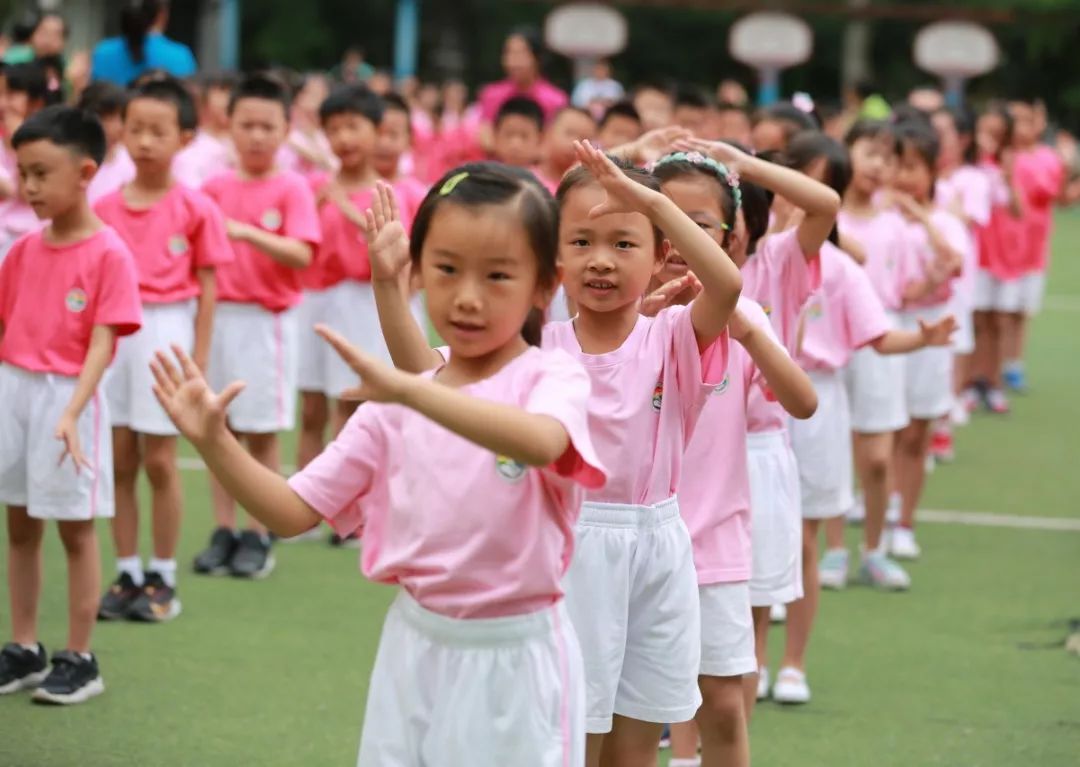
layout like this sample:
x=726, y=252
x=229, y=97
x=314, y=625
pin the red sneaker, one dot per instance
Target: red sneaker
x=941, y=447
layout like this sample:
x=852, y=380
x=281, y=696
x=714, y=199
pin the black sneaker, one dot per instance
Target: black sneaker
x=217, y=556
x=350, y=541
x=156, y=602
x=253, y=558
x=21, y=669
x=118, y=599
x=73, y=679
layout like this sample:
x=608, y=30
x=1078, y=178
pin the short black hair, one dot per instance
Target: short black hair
x=355, y=99
x=573, y=110
x=522, y=106
x=623, y=108
x=906, y=113
x=72, y=128
x=922, y=138
x=867, y=128
x=731, y=106
x=690, y=96
x=28, y=78
x=103, y=99
x=808, y=147
x=395, y=102
x=168, y=89
x=225, y=81
x=264, y=86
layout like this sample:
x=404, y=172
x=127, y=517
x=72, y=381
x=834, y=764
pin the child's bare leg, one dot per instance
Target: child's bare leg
x=343, y=410
x=125, y=525
x=166, y=494
x=873, y=460
x=314, y=415
x=84, y=581
x=594, y=747
x=631, y=743
x=761, y=635
x=834, y=533
x=722, y=722
x=801, y=612
x=912, y=445
x=25, y=536
x=264, y=448
x=224, y=505
x=684, y=740
x=985, y=341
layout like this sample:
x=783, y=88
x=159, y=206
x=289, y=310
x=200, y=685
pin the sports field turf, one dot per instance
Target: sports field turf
x=967, y=670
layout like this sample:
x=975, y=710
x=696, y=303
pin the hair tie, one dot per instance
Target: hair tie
x=452, y=182
x=728, y=176
x=803, y=101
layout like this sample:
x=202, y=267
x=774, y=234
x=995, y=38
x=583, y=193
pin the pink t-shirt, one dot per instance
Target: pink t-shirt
x=970, y=186
x=842, y=317
x=289, y=158
x=493, y=96
x=780, y=278
x=205, y=157
x=647, y=396
x=112, y=175
x=1039, y=175
x=467, y=533
x=888, y=260
x=52, y=296
x=178, y=235
x=282, y=204
x=714, y=495
x=958, y=238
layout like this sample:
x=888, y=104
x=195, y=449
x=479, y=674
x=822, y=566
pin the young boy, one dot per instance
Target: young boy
x=66, y=292
x=106, y=101
x=23, y=93
x=178, y=237
x=519, y=126
x=392, y=158
x=211, y=151
x=273, y=224
x=620, y=125
x=569, y=124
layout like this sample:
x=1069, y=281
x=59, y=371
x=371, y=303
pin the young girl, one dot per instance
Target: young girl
x=211, y=151
x=478, y=662
x=844, y=315
x=632, y=589
x=106, y=101
x=714, y=495
x=307, y=150
x=940, y=245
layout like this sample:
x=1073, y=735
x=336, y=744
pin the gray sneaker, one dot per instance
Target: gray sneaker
x=833, y=569
x=881, y=572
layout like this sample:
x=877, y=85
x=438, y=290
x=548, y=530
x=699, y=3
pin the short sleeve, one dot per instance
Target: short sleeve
x=781, y=278
x=865, y=319
x=9, y=277
x=208, y=238
x=335, y=483
x=562, y=392
x=696, y=372
x=302, y=215
x=118, y=304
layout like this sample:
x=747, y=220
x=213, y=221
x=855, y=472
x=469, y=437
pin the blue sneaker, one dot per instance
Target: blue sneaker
x=883, y=573
x=1014, y=379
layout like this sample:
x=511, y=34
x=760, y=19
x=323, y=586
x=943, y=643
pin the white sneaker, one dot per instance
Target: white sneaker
x=892, y=513
x=879, y=571
x=791, y=687
x=960, y=415
x=762, y=683
x=833, y=569
x=857, y=513
x=778, y=614
x=902, y=544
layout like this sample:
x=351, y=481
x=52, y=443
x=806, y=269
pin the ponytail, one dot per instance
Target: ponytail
x=136, y=20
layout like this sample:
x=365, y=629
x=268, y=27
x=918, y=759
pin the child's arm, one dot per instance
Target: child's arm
x=535, y=440
x=906, y=341
x=650, y=146
x=287, y=251
x=199, y=413
x=948, y=262
x=787, y=381
x=717, y=273
x=98, y=356
x=204, y=315
x=819, y=202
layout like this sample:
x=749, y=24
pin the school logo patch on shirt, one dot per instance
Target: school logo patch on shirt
x=767, y=309
x=178, y=245
x=75, y=301
x=658, y=397
x=509, y=469
x=815, y=311
x=722, y=387
x=271, y=219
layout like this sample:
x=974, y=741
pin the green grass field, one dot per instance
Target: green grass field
x=966, y=670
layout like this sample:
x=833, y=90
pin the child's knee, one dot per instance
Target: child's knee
x=723, y=707
x=160, y=466
x=77, y=537
x=24, y=532
x=125, y=466
x=313, y=415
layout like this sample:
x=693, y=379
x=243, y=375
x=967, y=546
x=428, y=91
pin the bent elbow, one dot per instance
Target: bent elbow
x=805, y=408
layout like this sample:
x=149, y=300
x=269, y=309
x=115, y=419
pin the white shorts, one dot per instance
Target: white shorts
x=459, y=693
x=129, y=382
x=310, y=376
x=775, y=520
x=1023, y=295
x=727, y=630
x=30, y=475
x=259, y=347
x=822, y=447
x=876, y=392
x=632, y=593
x=963, y=339
x=928, y=388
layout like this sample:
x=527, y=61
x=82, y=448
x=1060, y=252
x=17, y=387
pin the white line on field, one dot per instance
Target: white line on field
x=969, y=518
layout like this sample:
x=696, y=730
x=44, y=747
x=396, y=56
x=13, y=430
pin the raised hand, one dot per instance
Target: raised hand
x=388, y=244
x=676, y=292
x=653, y=145
x=721, y=151
x=378, y=382
x=187, y=398
x=938, y=333
x=624, y=195
x=67, y=431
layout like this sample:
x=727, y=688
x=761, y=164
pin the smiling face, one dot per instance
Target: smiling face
x=53, y=178
x=607, y=261
x=480, y=277
x=913, y=175
x=870, y=159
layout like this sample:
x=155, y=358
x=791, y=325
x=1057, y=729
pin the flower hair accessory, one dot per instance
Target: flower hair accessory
x=452, y=182
x=728, y=176
x=803, y=102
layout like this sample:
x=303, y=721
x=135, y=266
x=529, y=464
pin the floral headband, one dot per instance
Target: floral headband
x=728, y=176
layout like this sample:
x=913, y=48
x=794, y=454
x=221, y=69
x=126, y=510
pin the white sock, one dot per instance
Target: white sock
x=31, y=647
x=166, y=568
x=695, y=762
x=133, y=567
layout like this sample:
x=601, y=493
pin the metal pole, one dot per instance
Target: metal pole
x=406, y=38
x=769, y=89
x=954, y=90
x=229, y=34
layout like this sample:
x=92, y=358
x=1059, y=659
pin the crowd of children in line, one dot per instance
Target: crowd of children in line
x=665, y=367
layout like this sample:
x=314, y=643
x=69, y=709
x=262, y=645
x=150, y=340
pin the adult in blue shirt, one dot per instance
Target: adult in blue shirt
x=141, y=47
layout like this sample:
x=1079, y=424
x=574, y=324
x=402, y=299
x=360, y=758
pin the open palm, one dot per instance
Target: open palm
x=196, y=410
x=388, y=244
x=378, y=382
x=624, y=195
x=938, y=333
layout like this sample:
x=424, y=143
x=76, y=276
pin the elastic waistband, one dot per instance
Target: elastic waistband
x=766, y=440
x=480, y=632
x=22, y=374
x=628, y=515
